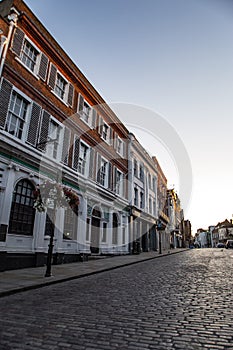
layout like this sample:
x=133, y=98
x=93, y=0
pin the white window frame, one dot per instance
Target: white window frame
x=119, y=185
x=84, y=115
x=26, y=121
x=38, y=58
x=141, y=172
x=65, y=97
x=120, y=146
x=87, y=160
x=107, y=133
x=50, y=146
x=74, y=224
x=106, y=179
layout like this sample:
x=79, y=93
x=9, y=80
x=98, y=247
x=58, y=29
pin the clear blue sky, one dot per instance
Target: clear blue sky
x=174, y=57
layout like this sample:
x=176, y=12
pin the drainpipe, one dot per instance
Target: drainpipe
x=130, y=192
x=5, y=41
x=2, y=44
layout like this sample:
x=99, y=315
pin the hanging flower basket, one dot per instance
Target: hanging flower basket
x=49, y=193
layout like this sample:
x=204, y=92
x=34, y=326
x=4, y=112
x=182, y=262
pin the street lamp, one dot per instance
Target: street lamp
x=48, y=272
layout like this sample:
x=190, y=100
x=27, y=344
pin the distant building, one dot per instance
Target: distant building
x=163, y=236
x=143, y=179
x=175, y=214
x=186, y=231
x=222, y=231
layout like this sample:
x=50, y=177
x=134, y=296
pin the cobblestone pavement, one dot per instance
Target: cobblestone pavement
x=181, y=301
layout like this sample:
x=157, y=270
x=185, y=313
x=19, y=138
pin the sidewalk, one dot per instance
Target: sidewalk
x=15, y=281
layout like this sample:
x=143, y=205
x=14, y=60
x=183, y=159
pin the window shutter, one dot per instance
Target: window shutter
x=101, y=122
x=114, y=178
x=124, y=149
x=80, y=103
x=44, y=131
x=91, y=164
x=17, y=42
x=44, y=62
x=110, y=136
x=115, y=141
x=76, y=153
x=34, y=124
x=66, y=145
x=98, y=168
x=124, y=186
x=70, y=95
x=110, y=182
x=52, y=76
x=94, y=115
x=5, y=94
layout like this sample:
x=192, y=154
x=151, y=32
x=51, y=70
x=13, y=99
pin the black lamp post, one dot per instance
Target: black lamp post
x=48, y=272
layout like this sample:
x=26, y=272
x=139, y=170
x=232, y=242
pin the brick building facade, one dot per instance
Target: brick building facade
x=55, y=126
x=65, y=174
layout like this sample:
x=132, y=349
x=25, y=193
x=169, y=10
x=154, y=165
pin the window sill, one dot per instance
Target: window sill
x=28, y=69
x=106, y=141
x=120, y=154
x=59, y=98
x=84, y=121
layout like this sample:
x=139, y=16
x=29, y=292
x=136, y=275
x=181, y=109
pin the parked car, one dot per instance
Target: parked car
x=220, y=245
x=229, y=243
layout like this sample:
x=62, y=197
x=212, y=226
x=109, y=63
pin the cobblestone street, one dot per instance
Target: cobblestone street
x=181, y=301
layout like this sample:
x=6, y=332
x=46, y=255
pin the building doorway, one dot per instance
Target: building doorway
x=95, y=231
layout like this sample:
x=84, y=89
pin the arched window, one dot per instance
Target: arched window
x=22, y=212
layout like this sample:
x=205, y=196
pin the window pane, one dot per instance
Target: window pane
x=29, y=55
x=22, y=211
x=16, y=115
x=70, y=224
x=60, y=86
